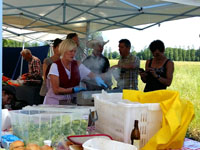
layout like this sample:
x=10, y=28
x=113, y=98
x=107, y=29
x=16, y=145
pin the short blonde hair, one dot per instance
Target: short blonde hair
x=25, y=51
x=66, y=45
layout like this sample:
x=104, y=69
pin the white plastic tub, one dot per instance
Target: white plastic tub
x=116, y=117
x=35, y=126
x=5, y=122
x=105, y=144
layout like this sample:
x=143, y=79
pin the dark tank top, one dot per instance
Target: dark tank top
x=152, y=83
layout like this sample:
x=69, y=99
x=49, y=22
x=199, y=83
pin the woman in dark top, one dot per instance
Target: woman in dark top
x=159, y=70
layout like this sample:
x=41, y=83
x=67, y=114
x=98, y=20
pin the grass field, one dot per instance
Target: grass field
x=186, y=81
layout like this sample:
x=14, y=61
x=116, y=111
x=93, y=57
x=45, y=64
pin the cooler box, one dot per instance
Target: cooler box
x=116, y=117
x=35, y=126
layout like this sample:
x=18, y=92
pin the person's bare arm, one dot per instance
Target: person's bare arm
x=169, y=74
x=44, y=68
x=56, y=88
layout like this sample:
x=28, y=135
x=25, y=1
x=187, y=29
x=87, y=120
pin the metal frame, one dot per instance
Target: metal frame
x=43, y=20
x=171, y=18
x=83, y=9
x=86, y=11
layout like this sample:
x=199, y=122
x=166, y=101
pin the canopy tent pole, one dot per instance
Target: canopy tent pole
x=21, y=67
x=13, y=75
x=87, y=35
x=51, y=49
x=1, y=69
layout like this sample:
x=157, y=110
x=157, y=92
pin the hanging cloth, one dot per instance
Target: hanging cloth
x=177, y=115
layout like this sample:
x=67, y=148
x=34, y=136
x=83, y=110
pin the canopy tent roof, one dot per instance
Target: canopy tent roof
x=22, y=35
x=29, y=36
x=88, y=16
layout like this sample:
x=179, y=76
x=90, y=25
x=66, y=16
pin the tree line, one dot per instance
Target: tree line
x=12, y=43
x=176, y=54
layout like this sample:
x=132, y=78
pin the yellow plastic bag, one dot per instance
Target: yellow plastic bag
x=177, y=114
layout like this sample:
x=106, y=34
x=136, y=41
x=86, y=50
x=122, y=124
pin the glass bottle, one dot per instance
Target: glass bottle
x=135, y=135
x=91, y=122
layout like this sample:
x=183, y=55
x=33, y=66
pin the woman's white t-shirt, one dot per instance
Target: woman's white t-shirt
x=84, y=71
x=52, y=98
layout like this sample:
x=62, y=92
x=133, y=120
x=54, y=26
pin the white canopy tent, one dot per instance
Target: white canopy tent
x=88, y=16
x=22, y=35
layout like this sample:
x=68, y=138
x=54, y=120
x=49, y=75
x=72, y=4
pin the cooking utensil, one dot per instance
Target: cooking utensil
x=91, y=85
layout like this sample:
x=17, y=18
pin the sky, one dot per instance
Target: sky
x=182, y=33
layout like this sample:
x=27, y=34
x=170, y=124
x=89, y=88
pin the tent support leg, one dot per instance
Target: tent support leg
x=87, y=35
x=21, y=67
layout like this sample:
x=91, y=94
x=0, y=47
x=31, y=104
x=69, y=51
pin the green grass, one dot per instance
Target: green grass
x=186, y=81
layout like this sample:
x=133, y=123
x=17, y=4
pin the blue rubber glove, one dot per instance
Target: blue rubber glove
x=77, y=89
x=100, y=82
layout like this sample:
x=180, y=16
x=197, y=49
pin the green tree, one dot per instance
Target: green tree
x=134, y=53
x=35, y=44
x=115, y=55
x=5, y=43
x=180, y=51
x=105, y=52
x=167, y=52
x=198, y=55
x=109, y=53
x=188, y=58
x=147, y=54
x=192, y=55
x=184, y=55
x=12, y=43
x=175, y=54
x=171, y=54
x=132, y=49
x=140, y=55
x=94, y=35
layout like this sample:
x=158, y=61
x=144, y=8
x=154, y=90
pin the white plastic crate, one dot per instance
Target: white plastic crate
x=116, y=117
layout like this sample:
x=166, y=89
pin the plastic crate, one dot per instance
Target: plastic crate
x=116, y=117
x=62, y=108
x=35, y=126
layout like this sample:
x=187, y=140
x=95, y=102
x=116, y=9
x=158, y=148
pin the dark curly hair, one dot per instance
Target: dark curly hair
x=157, y=45
x=56, y=42
x=71, y=35
x=126, y=42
